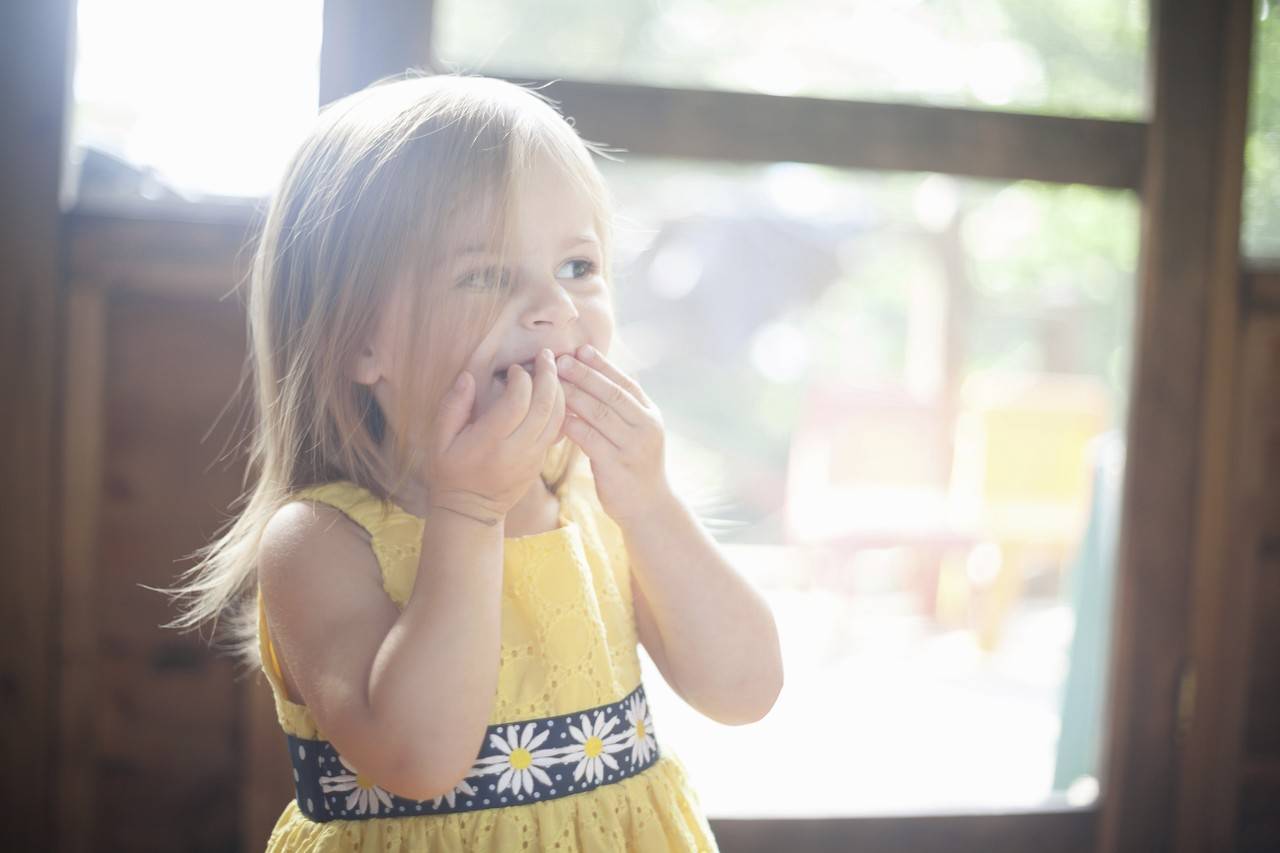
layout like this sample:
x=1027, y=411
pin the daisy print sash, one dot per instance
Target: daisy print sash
x=520, y=763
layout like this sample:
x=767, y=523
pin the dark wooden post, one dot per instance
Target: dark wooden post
x=364, y=41
x=1180, y=425
x=35, y=38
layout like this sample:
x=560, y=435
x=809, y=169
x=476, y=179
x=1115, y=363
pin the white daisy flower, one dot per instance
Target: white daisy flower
x=462, y=787
x=520, y=761
x=363, y=796
x=593, y=747
x=640, y=738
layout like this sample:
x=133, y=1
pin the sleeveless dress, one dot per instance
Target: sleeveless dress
x=568, y=646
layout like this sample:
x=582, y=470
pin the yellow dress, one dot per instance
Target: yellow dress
x=568, y=645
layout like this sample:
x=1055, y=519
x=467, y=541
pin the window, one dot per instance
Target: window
x=190, y=101
x=857, y=361
x=908, y=388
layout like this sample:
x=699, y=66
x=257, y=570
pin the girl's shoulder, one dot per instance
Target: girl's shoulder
x=318, y=581
x=352, y=500
x=370, y=513
x=312, y=523
x=329, y=524
x=389, y=534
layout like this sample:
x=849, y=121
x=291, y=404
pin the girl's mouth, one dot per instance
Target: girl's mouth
x=501, y=375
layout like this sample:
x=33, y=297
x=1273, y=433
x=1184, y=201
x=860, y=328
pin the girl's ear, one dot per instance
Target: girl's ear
x=365, y=366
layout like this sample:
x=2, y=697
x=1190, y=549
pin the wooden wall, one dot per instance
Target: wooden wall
x=156, y=350
x=1258, y=814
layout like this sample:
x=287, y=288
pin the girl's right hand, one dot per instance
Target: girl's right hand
x=482, y=469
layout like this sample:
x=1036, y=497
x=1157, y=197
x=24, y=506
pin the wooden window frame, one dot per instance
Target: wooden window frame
x=1170, y=774
x=1185, y=160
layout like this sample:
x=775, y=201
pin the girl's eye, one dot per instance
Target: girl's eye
x=484, y=278
x=583, y=266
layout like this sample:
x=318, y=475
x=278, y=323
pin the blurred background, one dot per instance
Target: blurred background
x=900, y=397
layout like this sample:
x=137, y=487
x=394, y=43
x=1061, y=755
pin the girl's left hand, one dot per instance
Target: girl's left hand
x=620, y=430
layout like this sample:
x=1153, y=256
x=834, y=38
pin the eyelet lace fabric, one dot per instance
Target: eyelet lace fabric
x=568, y=644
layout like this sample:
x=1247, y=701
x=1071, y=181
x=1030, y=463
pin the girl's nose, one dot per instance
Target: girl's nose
x=551, y=304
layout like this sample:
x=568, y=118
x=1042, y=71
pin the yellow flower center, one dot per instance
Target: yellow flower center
x=520, y=758
x=363, y=781
x=593, y=747
x=639, y=730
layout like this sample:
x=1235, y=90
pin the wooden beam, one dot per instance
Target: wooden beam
x=35, y=39
x=1261, y=748
x=188, y=260
x=1226, y=525
x=1261, y=288
x=83, y=436
x=364, y=40
x=661, y=122
x=1259, y=818
x=1180, y=431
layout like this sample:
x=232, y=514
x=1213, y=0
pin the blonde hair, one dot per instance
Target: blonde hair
x=387, y=178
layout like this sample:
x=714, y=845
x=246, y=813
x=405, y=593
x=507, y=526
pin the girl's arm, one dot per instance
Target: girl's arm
x=404, y=696
x=709, y=631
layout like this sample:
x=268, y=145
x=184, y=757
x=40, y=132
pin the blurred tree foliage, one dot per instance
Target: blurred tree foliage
x=1046, y=275
x=1261, y=237
x=1074, y=57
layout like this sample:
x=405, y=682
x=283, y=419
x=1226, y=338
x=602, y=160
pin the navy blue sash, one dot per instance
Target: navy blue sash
x=520, y=763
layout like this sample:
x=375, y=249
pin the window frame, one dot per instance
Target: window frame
x=1169, y=779
x=1185, y=160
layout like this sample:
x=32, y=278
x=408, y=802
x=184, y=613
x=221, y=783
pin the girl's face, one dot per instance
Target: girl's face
x=553, y=289
x=556, y=295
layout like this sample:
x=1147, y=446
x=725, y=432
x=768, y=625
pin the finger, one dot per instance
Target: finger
x=603, y=388
x=554, y=430
x=509, y=411
x=542, y=401
x=596, y=412
x=455, y=408
x=590, y=439
x=592, y=357
x=564, y=418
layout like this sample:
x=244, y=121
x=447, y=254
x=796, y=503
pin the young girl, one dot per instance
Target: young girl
x=461, y=523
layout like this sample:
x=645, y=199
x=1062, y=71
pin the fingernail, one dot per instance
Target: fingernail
x=566, y=362
x=588, y=352
x=462, y=381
